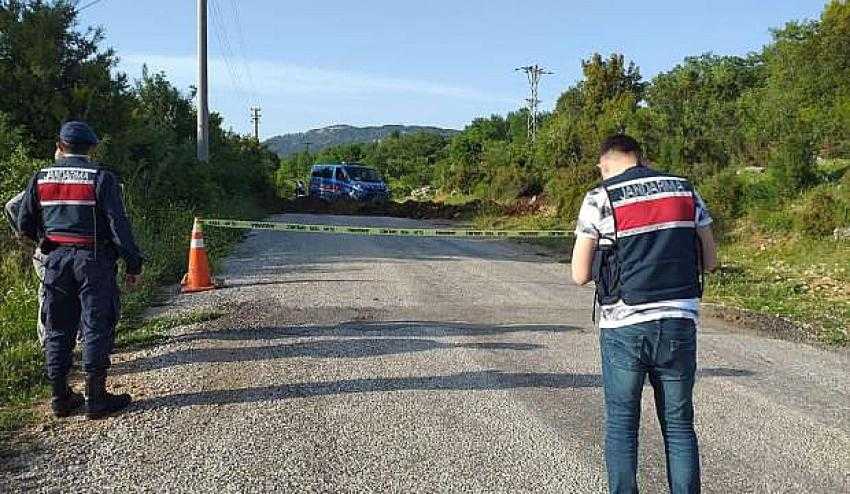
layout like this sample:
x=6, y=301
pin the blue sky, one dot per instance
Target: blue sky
x=314, y=63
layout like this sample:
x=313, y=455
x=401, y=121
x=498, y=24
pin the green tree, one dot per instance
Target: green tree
x=50, y=72
x=604, y=102
x=17, y=164
x=807, y=88
x=693, y=111
x=349, y=153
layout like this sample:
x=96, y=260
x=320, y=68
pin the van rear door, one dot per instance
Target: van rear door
x=316, y=181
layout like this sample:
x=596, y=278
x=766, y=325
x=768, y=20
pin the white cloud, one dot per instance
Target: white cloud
x=282, y=78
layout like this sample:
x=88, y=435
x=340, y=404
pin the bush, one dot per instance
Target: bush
x=793, y=163
x=285, y=187
x=761, y=192
x=19, y=351
x=404, y=186
x=844, y=187
x=18, y=167
x=820, y=212
x=505, y=183
x=568, y=187
x=774, y=220
x=722, y=194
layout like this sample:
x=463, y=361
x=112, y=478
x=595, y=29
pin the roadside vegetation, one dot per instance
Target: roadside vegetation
x=765, y=136
x=147, y=128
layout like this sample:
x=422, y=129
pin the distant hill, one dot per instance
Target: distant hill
x=334, y=135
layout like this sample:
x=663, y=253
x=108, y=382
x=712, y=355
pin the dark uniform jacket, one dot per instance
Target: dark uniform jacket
x=78, y=203
x=655, y=253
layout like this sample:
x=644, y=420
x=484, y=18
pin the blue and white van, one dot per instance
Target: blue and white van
x=354, y=181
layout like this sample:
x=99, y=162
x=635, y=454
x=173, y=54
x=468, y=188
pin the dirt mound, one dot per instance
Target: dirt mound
x=530, y=205
x=407, y=209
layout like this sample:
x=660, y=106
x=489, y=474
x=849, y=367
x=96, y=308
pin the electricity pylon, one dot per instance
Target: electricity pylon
x=534, y=73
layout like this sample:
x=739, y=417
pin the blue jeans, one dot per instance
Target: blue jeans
x=666, y=351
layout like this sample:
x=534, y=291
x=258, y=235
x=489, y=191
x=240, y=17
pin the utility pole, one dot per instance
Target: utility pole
x=534, y=73
x=255, y=117
x=307, y=146
x=203, y=101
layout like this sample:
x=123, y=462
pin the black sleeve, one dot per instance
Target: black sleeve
x=110, y=201
x=29, y=212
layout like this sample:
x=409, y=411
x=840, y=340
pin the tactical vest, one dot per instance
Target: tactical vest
x=655, y=253
x=67, y=197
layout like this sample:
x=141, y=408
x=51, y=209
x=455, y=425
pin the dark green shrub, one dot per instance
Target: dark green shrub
x=774, y=220
x=793, y=163
x=844, y=187
x=568, y=186
x=15, y=160
x=761, y=192
x=722, y=194
x=505, y=183
x=820, y=212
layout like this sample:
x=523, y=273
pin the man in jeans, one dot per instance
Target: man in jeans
x=644, y=237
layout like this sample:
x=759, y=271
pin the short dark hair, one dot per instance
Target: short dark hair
x=76, y=147
x=620, y=143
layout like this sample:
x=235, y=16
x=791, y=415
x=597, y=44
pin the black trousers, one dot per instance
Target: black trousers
x=80, y=294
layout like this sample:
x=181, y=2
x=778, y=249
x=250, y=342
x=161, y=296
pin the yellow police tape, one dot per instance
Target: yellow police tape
x=384, y=231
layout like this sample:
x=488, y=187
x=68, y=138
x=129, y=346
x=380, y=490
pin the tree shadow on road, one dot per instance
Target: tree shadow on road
x=373, y=328
x=465, y=381
x=262, y=282
x=337, y=349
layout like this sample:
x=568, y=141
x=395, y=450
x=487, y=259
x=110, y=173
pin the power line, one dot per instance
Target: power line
x=224, y=44
x=227, y=53
x=241, y=39
x=90, y=4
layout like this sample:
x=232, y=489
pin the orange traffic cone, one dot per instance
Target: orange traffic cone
x=198, y=279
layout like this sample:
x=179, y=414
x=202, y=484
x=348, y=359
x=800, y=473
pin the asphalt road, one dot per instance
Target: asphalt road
x=358, y=364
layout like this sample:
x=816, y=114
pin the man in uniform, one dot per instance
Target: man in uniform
x=645, y=238
x=38, y=259
x=75, y=212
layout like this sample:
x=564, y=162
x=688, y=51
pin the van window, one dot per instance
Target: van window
x=363, y=174
x=340, y=175
x=317, y=172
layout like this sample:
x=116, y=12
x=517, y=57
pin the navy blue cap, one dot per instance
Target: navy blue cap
x=77, y=132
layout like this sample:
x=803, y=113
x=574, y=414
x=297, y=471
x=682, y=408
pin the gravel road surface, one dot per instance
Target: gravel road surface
x=369, y=364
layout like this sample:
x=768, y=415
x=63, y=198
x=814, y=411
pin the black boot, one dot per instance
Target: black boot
x=65, y=402
x=99, y=403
